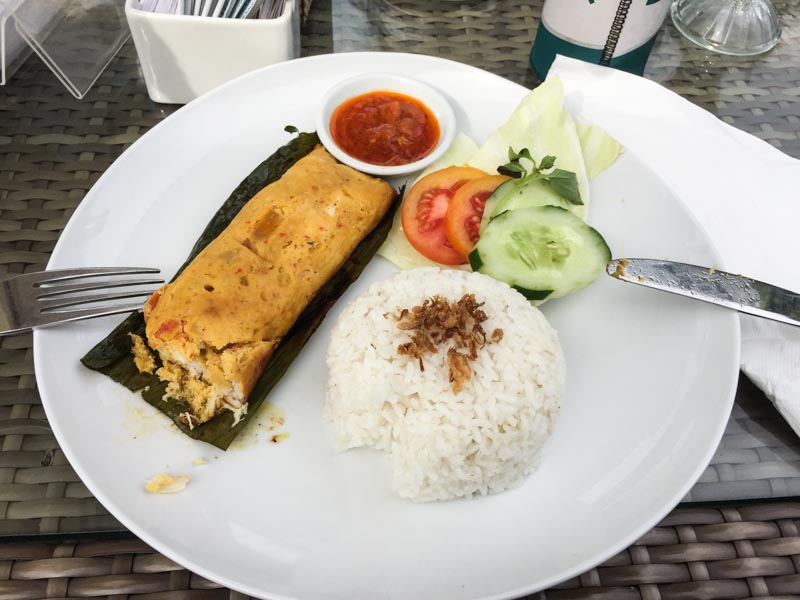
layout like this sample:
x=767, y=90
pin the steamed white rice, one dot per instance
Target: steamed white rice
x=444, y=445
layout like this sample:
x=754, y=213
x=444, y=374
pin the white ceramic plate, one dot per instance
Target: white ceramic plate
x=650, y=386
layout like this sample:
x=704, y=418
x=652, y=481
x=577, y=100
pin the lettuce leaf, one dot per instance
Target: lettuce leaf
x=599, y=149
x=460, y=152
x=540, y=124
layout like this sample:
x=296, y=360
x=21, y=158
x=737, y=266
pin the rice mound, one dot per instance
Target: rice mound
x=443, y=445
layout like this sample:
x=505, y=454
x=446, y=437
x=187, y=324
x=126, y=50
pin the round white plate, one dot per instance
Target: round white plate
x=650, y=386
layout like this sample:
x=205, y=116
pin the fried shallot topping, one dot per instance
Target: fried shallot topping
x=458, y=367
x=436, y=323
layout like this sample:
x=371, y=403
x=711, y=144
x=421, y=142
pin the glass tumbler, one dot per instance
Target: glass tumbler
x=735, y=27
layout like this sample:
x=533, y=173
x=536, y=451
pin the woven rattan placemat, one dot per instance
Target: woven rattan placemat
x=52, y=150
x=695, y=553
x=54, y=147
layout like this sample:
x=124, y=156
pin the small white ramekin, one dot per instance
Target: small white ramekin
x=363, y=84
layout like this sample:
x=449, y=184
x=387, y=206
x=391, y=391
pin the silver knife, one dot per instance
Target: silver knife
x=710, y=285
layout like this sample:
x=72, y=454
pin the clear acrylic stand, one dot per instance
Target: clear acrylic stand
x=13, y=49
x=76, y=39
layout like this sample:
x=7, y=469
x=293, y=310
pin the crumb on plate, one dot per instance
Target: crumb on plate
x=166, y=484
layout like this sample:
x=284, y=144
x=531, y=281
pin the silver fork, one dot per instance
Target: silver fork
x=51, y=297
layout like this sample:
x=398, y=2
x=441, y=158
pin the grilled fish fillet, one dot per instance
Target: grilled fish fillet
x=216, y=326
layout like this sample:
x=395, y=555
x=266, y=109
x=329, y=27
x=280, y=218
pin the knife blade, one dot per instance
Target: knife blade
x=740, y=293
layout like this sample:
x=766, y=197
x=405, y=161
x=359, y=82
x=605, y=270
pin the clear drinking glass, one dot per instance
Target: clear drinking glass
x=736, y=27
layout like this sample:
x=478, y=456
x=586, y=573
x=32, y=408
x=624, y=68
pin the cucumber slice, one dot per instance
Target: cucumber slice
x=535, y=193
x=497, y=196
x=515, y=194
x=543, y=252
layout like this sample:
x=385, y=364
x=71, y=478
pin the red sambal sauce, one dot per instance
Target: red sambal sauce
x=385, y=128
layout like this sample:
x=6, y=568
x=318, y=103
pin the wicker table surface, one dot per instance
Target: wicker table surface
x=54, y=147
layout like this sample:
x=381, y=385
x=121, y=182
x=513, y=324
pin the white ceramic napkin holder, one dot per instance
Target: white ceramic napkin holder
x=185, y=56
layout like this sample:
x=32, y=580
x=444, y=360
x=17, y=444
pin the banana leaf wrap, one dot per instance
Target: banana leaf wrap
x=112, y=356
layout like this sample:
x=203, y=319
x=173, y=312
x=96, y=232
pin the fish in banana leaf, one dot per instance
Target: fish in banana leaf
x=112, y=356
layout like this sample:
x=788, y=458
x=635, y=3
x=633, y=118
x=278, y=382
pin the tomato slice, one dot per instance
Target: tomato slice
x=462, y=221
x=424, y=209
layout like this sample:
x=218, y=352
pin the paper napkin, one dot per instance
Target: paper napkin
x=745, y=193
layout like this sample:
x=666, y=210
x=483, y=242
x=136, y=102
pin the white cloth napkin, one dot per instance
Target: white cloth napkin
x=745, y=193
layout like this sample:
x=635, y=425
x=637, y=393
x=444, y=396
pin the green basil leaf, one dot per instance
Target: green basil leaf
x=547, y=163
x=525, y=153
x=513, y=170
x=565, y=184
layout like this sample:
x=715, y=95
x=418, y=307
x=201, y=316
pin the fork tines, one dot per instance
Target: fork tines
x=49, y=297
x=45, y=277
x=68, y=288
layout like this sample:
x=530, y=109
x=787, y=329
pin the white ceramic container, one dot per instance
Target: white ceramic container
x=183, y=57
